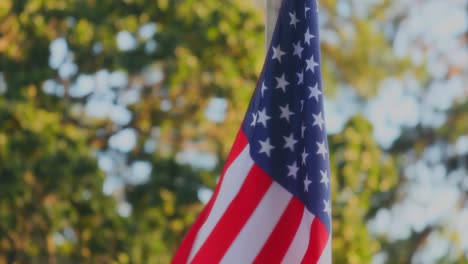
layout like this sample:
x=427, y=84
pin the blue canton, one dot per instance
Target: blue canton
x=285, y=120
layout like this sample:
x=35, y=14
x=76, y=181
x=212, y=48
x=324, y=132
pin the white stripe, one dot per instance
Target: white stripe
x=326, y=257
x=300, y=243
x=258, y=228
x=233, y=179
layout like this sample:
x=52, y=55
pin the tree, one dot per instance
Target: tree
x=45, y=66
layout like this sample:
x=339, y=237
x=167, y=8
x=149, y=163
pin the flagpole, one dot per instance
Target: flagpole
x=273, y=7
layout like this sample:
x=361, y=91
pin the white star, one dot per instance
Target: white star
x=285, y=112
x=289, y=142
x=324, y=179
x=277, y=53
x=265, y=147
x=263, y=117
x=294, y=19
x=317, y=4
x=264, y=87
x=307, y=182
x=306, y=9
x=282, y=83
x=302, y=105
x=314, y=92
x=318, y=120
x=298, y=49
x=308, y=37
x=301, y=77
x=303, y=129
x=304, y=156
x=292, y=170
x=327, y=207
x=254, y=119
x=322, y=149
x=311, y=64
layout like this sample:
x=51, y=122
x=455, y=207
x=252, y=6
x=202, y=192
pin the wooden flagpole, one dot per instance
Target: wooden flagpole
x=273, y=7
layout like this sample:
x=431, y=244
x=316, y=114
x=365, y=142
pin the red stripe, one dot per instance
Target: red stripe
x=318, y=241
x=241, y=208
x=182, y=254
x=239, y=144
x=280, y=239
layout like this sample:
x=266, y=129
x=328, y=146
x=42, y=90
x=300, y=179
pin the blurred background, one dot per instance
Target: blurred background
x=116, y=118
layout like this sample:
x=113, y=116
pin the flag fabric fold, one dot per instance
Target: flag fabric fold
x=272, y=203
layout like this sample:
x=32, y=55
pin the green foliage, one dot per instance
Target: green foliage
x=51, y=187
x=360, y=56
x=48, y=165
x=362, y=175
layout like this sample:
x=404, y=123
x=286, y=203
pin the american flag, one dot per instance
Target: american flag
x=272, y=203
